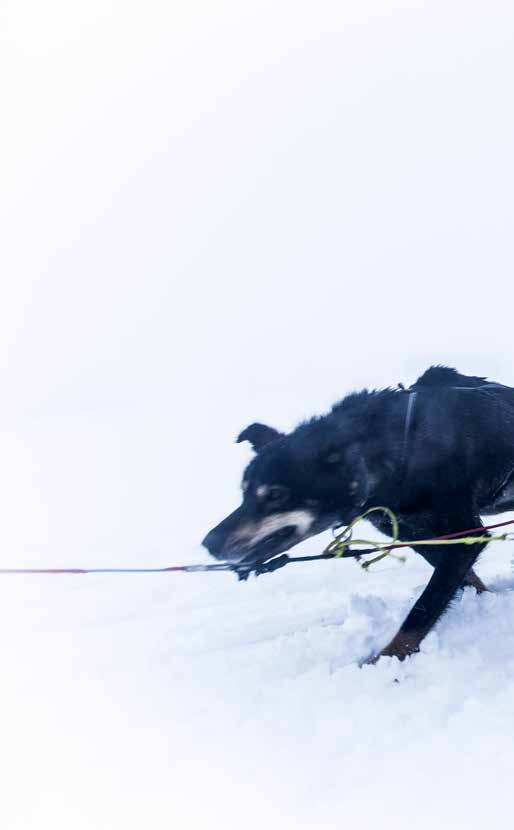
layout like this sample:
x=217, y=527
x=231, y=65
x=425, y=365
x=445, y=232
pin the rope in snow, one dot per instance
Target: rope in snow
x=223, y=566
x=339, y=548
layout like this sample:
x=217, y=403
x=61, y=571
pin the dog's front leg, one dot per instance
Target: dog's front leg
x=449, y=574
x=433, y=557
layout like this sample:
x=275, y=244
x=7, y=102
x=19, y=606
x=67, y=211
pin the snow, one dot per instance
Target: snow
x=214, y=214
x=207, y=702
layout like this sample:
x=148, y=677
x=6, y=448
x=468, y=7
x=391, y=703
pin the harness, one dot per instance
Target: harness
x=412, y=398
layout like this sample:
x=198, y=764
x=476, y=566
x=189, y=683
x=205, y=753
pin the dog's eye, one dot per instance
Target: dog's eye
x=277, y=494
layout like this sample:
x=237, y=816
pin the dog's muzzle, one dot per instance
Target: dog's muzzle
x=275, y=542
x=239, y=538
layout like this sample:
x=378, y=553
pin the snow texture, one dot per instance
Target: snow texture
x=212, y=214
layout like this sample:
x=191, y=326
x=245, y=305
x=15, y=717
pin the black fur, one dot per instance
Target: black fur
x=440, y=455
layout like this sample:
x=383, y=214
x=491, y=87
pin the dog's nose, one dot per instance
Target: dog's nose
x=214, y=542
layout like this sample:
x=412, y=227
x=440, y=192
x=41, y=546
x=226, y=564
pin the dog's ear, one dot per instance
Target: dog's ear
x=258, y=435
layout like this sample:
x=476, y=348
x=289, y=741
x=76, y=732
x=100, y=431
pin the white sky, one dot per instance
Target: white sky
x=217, y=212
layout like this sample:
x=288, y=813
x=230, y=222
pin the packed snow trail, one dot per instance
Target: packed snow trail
x=244, y=702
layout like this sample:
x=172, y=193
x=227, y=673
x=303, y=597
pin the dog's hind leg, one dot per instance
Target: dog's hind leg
x=472, y=580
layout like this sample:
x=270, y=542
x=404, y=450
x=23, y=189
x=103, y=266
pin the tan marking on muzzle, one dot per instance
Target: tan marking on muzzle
x=253, y=532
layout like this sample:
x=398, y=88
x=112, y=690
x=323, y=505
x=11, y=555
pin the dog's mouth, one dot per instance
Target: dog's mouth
x=277, y=542
x=243, y=539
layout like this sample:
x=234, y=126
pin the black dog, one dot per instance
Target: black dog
x=439, y=454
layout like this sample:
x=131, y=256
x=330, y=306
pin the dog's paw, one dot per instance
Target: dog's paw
x=370, y=660
x=401, y=646
x=393, y=669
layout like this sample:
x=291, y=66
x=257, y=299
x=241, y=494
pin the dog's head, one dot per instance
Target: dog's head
x=297, y=485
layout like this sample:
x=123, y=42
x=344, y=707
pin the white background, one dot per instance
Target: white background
x=214, y=213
